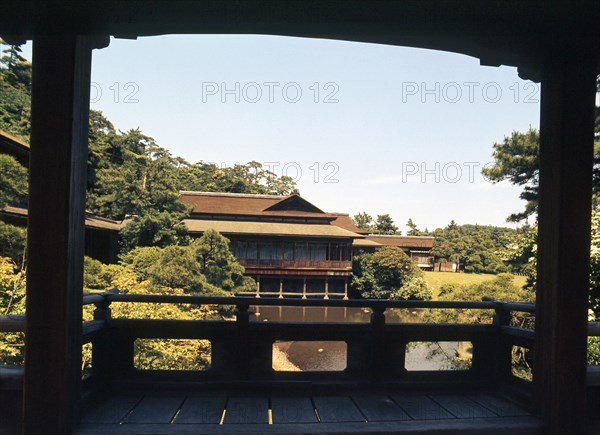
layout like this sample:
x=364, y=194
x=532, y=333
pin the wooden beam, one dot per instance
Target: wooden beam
x=59, y=130
x=566, y=150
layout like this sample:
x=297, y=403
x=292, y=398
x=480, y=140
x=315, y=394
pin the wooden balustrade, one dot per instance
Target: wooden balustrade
x=296, y=264
x=241, y=350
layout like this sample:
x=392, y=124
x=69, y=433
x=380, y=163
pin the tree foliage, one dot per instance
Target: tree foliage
x=12, y=301
x=476, y=248
x=218, y=264
x=15, y=90
x=414, y=230
x=364, y=221
x=384, y=224
x=13, y=182
x=12, y=242
x=387, y=273
x=516, y=160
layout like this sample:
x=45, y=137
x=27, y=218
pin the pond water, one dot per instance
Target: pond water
x=331, y=355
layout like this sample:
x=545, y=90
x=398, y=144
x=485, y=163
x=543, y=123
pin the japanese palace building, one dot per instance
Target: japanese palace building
x=288, y=245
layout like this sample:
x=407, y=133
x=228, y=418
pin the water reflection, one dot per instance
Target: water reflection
x=331, y=355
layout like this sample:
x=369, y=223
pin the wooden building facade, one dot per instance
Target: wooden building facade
x=288, y=245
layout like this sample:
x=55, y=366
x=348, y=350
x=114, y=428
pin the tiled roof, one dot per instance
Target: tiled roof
x=366, y=243
x=343, y=220
x=268, y=228
x=91, y=221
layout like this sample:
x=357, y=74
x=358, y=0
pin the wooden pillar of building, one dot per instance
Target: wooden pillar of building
x=258, y=286
x=345, y=290
x=566, y=149
x=55, y=238
x=304, y=288
x=326, y=289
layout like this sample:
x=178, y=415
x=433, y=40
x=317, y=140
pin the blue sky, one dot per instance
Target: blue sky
x=403, y=131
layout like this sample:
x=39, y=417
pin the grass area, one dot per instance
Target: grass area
x=437, y=279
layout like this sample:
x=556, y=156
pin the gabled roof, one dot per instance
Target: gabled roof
x=250, y=205
x=296, y=203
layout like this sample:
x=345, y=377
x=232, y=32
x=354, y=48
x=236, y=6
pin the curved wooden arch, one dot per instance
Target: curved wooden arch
x=509, y=32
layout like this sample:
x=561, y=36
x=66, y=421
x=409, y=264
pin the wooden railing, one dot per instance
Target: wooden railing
x=241, y=350
x=296, y=264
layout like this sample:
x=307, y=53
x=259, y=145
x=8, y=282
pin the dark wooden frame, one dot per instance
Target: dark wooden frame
x=556, y=42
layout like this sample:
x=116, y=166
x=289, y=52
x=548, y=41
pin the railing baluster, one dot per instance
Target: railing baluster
x=242, y=318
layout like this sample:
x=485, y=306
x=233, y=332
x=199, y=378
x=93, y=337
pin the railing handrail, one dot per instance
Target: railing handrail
x=12, y=323
x=96, y=298
x=524, y=307
x=349, y=303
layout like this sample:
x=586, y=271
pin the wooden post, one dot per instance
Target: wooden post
x=258, y=286
x=55, y=238
x=280, y=287
x=378, y=363
x=244, y=362
x=102, y=346
x=304, y=288
x=345, y=290
x=566, y=149
x=326, y=289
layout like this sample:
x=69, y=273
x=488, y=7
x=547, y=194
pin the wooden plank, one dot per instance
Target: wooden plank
x=420, y=407
x=111, y=410
x=55, y=233
x=247, y=410
x=293, y=410
x=565, y=178
x=201, y=410
x=333, y=409
x=498, y=405
x=155, y=409
x=492, y=426
x=462, y=406
x=379, y=408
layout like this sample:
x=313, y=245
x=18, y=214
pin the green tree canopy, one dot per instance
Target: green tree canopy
x=414, y=231
x=13, y=182
x=218, y=264
x=516, y=160
x=385, y=225
x=364, y=221
x=17, y=69
x=383, y=274
x=477, y=248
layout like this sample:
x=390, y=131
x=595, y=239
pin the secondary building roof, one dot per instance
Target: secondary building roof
x=343, y=220
x=268, y=228
x=365, y=243
x=91, y=221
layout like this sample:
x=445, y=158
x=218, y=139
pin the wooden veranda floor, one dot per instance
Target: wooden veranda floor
x=364, y=413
